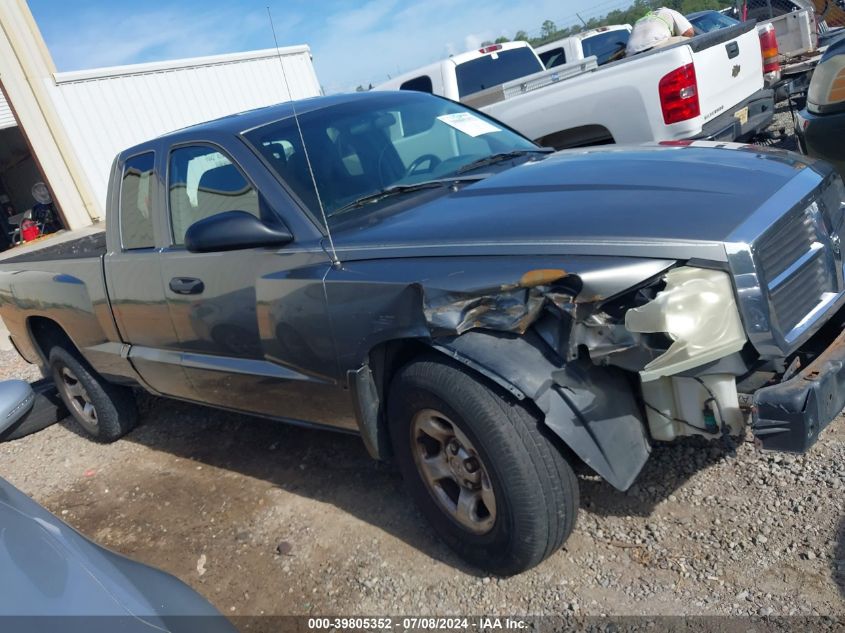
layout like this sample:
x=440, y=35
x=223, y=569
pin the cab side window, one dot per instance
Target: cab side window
x=554, y=57
x=136, y=193
x=203, y=182
x=420, y=84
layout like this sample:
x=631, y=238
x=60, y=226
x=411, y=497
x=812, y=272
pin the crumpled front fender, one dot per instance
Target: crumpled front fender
x=592, y=409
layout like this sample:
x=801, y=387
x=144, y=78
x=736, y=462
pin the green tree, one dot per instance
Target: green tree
x=688, y=6
x=549, y=31
x=501, y=40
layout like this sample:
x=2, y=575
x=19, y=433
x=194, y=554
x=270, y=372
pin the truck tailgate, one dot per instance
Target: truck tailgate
x=728, y=68
x=796, y=33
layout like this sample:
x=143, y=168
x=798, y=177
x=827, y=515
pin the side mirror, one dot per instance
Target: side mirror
x=233, y=230
x=16, y=399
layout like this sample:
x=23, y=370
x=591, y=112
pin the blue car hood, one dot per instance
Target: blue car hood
x=49, y=569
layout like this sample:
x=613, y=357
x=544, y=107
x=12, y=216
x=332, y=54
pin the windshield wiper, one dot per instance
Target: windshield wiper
x=503, y=156
x=395, y=190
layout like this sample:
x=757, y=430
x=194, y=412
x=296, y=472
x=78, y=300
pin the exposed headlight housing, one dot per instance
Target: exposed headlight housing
x=698, y=312
x=827, y=87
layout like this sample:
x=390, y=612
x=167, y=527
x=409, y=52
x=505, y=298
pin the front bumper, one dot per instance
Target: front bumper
x=790, y=415
x=727, y=127
x=820, y=136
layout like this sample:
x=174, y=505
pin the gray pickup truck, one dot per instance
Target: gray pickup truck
x=485, y=312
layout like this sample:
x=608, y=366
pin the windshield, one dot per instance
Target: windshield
x=607, y=46
x=711, y=21
x=495, y=69
x=363, y=146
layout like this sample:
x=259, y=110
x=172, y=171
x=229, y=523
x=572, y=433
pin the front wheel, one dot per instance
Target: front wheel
x=483, y=470
x=105, y=411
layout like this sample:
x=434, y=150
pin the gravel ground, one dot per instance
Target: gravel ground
x=264, y=518
x=781, y=130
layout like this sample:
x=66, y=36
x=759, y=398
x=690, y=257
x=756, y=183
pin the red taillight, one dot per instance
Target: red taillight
x=679, y=95
x=490, y=49
x=769, y=47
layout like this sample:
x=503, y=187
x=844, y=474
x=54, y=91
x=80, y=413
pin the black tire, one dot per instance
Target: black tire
x=47, y=409
x=536, y=491
x=115, y=409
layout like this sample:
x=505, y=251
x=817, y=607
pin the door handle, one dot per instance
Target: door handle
x=733, y=49
x=186, y=285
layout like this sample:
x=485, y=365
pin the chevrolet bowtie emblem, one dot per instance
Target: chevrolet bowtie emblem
x=735, y=71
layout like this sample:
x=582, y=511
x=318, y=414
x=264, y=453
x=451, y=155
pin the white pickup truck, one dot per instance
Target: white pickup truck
x=707, y=87
x=790, y=41
x=606, y=44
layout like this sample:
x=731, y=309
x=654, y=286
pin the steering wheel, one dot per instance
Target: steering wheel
x=432, y=160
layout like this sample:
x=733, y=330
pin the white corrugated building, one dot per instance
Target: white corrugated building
x=7, y=119
x=66, y=128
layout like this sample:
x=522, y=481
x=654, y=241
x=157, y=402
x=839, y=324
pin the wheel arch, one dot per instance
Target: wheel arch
x=592, y=410
x=45, y=333
x=370, y=385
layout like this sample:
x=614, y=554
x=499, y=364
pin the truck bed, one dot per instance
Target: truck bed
x=620, y=101
x=62, y=280
x=93, y=245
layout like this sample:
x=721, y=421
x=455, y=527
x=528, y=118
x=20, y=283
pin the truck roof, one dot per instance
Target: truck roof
x=455, y=60
x=241, y=121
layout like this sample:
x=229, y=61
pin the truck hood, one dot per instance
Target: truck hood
x=677, y=201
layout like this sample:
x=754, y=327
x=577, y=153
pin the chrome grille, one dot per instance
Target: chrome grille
x=785, y=243
x=797, y=267
x=800, y=293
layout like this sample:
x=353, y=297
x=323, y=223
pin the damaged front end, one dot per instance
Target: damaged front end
x=510, y=307
x=596, y=348
x=551, y=335
x=613, y=351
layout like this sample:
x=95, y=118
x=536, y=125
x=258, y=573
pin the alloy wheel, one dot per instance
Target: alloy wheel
x=78, y=398
x=453, y=471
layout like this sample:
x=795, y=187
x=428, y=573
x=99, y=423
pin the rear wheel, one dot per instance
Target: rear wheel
x=105, y=411
x=483, y=470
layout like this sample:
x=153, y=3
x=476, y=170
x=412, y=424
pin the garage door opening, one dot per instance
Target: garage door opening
x=27, y=210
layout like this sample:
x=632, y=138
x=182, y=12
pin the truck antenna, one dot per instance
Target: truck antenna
x=333, y=253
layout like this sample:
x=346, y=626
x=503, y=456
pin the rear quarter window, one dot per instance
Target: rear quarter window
x=136, y=195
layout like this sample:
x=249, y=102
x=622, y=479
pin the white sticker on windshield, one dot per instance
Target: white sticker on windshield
x=469, y=124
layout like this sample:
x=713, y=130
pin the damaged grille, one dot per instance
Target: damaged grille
x=797, y=263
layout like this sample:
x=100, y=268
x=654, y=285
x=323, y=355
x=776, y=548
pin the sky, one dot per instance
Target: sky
x=352, y=42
